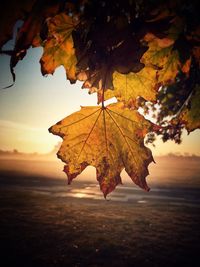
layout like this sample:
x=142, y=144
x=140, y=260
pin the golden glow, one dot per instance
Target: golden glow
x=28, y=139
x=79, y=195
x=25, y=138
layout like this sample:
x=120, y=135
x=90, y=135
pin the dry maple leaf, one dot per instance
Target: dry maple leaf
x=32, y=26
x=59, y=47
x=110, y=139
x=34, y=13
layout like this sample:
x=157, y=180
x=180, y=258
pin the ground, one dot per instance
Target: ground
x=43, y=225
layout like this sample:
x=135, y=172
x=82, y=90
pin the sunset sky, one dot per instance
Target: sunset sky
x=35, y=103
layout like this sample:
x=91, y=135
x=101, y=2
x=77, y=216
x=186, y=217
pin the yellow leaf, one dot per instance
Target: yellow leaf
x=109, y=139
x=59, y=47
x=165, y=59
x=128, y=87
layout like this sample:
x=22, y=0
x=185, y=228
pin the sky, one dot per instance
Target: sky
x=35, y=103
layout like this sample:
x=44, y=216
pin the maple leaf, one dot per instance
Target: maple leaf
x=109, y=139
x=38, y=12
x=162, y=56
x=127, y=87
x=32, y=26
x=59, y=47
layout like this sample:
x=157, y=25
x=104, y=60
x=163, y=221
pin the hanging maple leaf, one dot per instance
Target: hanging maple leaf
x=109, y=139
x=127, y=87
x=59, y=47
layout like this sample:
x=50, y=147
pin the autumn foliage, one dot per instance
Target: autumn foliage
x=146, y=54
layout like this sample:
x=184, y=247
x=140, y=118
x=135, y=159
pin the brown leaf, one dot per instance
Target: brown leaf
x=32, y=26
x=59, y=47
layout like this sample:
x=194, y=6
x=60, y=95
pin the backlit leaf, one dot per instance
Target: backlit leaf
x=127, y=87
x=32, y=26
x=164, y=58
x=59, y=47
x=109, y=139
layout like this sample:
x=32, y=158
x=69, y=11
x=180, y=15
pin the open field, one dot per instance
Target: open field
x=44, y=222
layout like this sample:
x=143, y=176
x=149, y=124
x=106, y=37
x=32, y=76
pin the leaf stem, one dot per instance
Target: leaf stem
x=184, y=104
x=102, y=100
